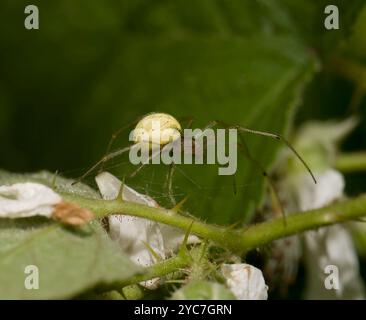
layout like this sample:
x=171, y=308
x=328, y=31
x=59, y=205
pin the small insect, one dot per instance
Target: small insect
x=170, y=131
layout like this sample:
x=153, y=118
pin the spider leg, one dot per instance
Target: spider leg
x=274, y=136
x=139, y=168
x=213, y=124
x=170, y=183
x=101, y=161
x=234, y=185
x=244, y=147
x=188, y=120
x=114, y=136
x=188, y=178
x=284, y=140
x=153, y=154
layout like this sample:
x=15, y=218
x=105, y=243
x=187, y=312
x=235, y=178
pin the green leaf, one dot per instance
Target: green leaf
x=209, y=66
x=203, y=290
x=357, y=43
x=307, y=17
x=69, y=260
x=109, y=63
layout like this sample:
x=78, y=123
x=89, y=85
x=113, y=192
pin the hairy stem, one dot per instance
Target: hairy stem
x=160, y=269
x=238, y=241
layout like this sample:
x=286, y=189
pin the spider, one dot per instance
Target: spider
x=173, y=134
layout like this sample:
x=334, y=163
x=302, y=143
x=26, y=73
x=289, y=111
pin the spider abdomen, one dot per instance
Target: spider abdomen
x=157, y=129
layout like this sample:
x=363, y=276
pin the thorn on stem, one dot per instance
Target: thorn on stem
x=179, y=205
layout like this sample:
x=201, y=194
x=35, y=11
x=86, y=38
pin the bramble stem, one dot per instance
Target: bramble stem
x=238, y=241
x=169, y=267
x=160, y=269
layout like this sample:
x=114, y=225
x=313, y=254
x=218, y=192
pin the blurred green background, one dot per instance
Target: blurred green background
x=94, y=66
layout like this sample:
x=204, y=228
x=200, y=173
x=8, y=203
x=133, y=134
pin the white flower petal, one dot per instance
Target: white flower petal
x=286, y=254
x=329, y=187
x=133, y=233
x=332, y=246
x=327, y=246
x=245, y=281
x=27, y=199
x=325, y=133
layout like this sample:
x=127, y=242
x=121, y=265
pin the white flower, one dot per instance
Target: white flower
x=27, y=199
x=317, y=142
x=328, y=246
x=329, y=187
x=245, y=281
x=134, y=234
x=332, y=246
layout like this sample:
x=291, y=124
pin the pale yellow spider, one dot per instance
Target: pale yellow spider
x=174, y=133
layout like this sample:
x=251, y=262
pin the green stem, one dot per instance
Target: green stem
x=160, y=269
x=266, y=232
x=132, y=291
x=351, y=162
x=101, y=208
x=238, y=241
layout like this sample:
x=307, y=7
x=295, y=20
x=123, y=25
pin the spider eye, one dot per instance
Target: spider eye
x=157, y=129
